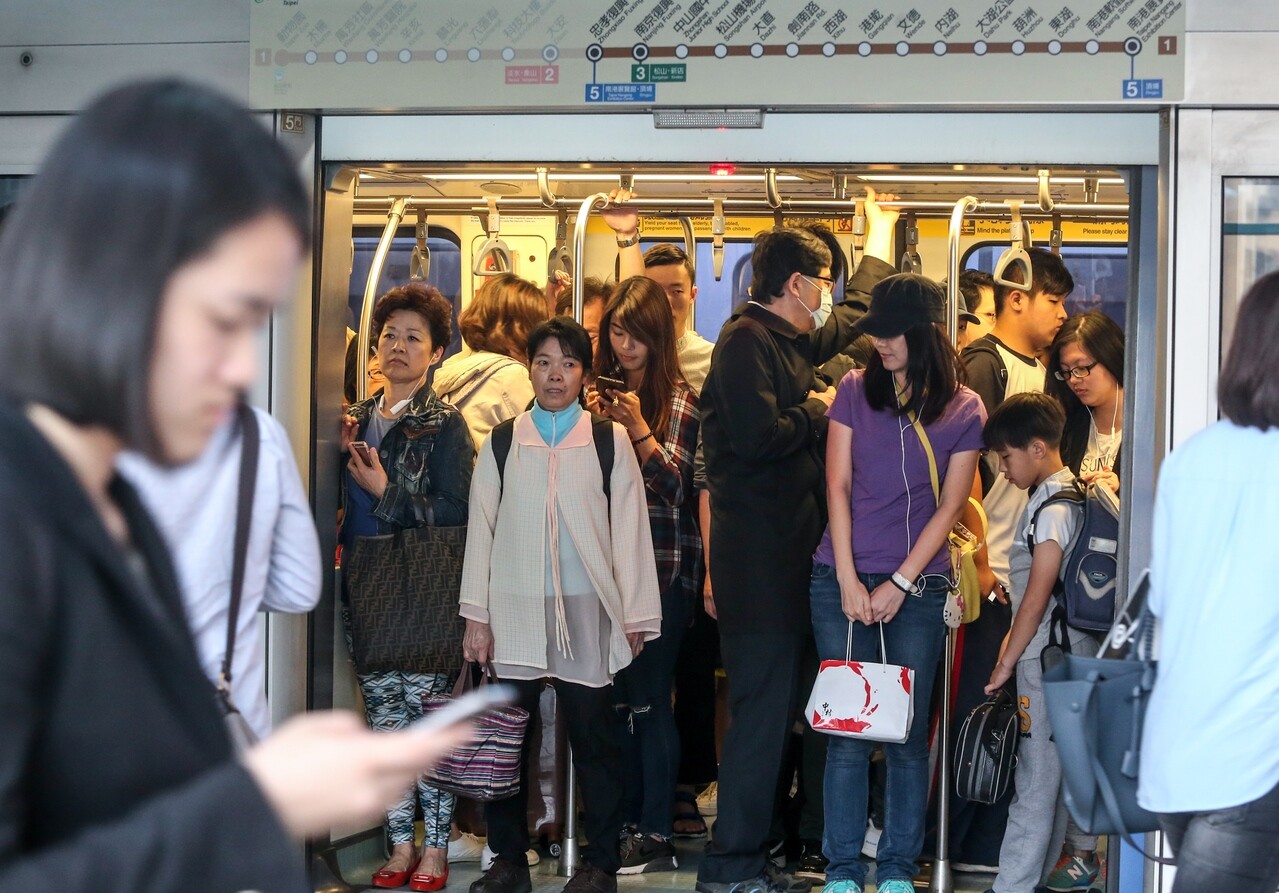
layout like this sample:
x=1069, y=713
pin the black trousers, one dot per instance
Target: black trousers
x=763, y=672
x=695, y=699
x=592, y=732
x=1226, y=849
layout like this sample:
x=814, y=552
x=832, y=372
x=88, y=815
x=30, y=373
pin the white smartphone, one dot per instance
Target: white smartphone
x=468, y=705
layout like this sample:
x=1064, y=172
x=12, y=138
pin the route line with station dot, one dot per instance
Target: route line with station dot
x=642, y=52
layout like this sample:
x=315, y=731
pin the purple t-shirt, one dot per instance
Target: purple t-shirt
x=880, y=503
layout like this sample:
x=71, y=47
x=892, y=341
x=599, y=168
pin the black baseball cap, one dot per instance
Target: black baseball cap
x=964, y=312
x=902, y=302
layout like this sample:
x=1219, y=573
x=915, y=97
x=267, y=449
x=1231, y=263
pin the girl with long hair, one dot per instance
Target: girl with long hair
x=883, y=559
x=1086, y=362
x=660, y=413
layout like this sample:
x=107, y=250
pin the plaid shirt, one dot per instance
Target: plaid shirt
x=672, y=502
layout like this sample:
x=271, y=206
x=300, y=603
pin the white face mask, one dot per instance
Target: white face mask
x=823, y=311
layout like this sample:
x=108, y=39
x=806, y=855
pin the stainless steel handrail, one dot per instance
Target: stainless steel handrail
x=579, y=249
x=393, y=218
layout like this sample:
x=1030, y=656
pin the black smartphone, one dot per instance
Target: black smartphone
x=364, y=451
x=605, y=383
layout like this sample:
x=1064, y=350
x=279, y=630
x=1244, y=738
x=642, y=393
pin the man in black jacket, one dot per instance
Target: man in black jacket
x=766, y=478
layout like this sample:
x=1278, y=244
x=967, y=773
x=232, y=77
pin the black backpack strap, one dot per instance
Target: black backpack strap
x=501, y=436
x=602, y=433
x=250, y=441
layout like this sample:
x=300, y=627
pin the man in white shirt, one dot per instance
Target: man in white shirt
x=195, y=508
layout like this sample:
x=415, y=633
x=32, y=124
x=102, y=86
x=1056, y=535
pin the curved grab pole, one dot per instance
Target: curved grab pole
x=942, y=881
x=393, y=219
x=770, y=188
x=598, y=200
x=544, y=187
x=1045, y=196
x=965, y=205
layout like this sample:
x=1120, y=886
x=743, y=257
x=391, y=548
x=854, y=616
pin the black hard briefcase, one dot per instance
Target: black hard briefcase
x=986, y=752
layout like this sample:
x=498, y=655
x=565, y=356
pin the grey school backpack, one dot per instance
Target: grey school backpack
x=1089, y=577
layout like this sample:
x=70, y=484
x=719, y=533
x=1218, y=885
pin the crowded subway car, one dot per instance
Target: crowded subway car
x=1159, y=214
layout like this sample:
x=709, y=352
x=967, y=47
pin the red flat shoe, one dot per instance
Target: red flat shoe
x=388, y=879
x=424, y=883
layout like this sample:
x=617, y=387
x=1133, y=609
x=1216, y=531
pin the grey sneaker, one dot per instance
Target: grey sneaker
x=642, y=853
x=786, y=883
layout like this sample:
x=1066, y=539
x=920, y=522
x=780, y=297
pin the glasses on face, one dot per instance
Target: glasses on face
x=989, y=316
x=829, y=282
x=1077, y=373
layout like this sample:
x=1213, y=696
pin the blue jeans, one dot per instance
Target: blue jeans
x=916, y=638
x=1226, y=849
x=650, y=740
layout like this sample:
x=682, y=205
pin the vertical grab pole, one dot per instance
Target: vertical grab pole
x=599, y=199
x=690, y=251
x=569, y=849
x=393, y=218
x=942, y=881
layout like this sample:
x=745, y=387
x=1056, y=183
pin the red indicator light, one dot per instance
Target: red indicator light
x=723, y=169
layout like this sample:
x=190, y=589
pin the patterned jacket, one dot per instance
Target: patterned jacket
x=672, y=503
x=428, y=457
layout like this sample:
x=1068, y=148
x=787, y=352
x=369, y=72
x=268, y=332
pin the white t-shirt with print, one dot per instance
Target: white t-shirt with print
x=1101, y=452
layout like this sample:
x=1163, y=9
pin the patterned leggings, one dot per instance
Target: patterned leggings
x=392, y=701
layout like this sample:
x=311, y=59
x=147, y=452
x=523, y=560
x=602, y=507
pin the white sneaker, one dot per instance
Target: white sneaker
x=870, y=844
x=486, y=858
x=466, y=848
x=708, y=800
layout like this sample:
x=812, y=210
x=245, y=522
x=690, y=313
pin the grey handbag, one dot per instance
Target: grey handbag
x=1097, y=708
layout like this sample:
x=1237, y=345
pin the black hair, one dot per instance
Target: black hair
x=145, y=180
x=593, y=289
x=781, y=253
x=574, y=340
x=934, y=372
x=1104, y=340
x=1048, y=275
x=1022, y=419
x=1248, y=388
x=667, y=254
x=838, y=264
x=971, y=282
x=424, y=300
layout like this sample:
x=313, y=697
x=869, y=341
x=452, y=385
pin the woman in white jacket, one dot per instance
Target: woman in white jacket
x=488, y=381
x=560, y=583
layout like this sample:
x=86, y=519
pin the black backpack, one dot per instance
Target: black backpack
x=601, y=432
x=986, y=752
x=988, y=464
x=1089, y=578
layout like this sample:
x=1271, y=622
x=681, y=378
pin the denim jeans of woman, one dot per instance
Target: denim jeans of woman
x=915, y=638
x=1227, y=849
x=650, y=740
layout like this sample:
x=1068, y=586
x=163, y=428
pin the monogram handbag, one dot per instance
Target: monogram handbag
x=403, y=591
x=488, y=767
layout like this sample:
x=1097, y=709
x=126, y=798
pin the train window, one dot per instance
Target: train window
x=445, y=273
x=716, y=300
x=1250, y=240
x=1100, y=273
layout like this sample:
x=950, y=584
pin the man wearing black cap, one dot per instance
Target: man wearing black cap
x=760, y=425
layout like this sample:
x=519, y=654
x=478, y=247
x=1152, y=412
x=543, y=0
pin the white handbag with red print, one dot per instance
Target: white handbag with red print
x=857, y=699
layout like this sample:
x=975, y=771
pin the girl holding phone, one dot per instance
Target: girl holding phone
x=660, y=413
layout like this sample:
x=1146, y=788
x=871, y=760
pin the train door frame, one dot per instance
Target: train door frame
x=1135, y=141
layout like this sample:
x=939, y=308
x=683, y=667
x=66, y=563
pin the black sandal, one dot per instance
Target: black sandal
x=687, y=814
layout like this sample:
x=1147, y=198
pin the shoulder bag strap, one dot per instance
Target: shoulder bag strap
x=928, y=451
x=250, y=438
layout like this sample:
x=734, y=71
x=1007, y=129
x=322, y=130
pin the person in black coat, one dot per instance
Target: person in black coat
x=761, y=422
x=116, y=772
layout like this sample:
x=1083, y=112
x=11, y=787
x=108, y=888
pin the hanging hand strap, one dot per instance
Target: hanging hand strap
x=250, y=438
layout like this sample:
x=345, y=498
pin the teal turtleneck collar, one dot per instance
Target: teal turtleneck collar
x=554, y=425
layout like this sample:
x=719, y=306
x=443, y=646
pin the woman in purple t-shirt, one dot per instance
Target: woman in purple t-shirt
x=883, y=558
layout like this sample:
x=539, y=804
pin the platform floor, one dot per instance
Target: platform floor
x=546, y=880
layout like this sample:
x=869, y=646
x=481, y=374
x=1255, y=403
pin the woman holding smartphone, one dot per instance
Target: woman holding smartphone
x=659, y=411
x=409, y=465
